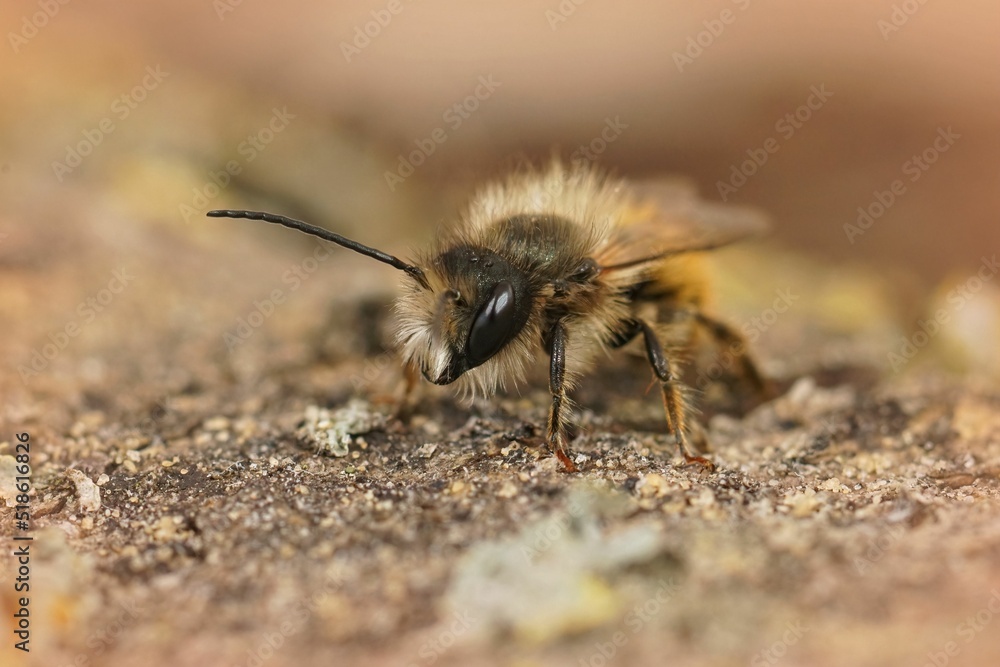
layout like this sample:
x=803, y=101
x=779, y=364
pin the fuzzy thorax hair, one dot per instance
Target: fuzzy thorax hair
x=581, y=208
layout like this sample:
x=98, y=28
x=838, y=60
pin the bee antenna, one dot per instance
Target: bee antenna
x=414, y=271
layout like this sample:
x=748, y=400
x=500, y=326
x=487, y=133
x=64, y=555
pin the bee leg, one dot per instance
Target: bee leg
x=625, y=336
x=672, y=402
x=556, y=431
x=404, y=405
x=728, y=338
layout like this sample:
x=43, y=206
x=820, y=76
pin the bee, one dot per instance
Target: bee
x=568, y=261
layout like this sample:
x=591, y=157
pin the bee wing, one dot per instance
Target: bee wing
x=665, y=217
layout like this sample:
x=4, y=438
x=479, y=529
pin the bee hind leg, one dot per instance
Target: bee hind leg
x=673, y=403
x=733, y=342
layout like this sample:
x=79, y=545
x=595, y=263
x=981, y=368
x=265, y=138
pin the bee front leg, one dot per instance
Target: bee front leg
x=556, y=431
x=672, y=401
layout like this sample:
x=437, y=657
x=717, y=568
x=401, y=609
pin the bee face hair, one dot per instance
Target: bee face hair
x=479, y=308
x=483, y=316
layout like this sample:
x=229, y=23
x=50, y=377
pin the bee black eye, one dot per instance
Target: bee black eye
x=494, y=325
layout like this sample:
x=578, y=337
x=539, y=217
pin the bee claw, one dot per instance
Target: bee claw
x=700, y=460
x=565, y=460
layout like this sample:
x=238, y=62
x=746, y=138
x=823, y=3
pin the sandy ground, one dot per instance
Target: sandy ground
x=189, y=506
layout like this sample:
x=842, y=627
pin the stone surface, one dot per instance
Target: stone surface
x=851, y=520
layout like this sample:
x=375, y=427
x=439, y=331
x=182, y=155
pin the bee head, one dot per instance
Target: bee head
x=466, y=308
x=470, y=315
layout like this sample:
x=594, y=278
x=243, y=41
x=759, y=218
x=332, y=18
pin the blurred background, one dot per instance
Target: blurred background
x=868, y=130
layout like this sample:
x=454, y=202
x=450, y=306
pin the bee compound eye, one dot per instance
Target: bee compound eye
x=493, y=326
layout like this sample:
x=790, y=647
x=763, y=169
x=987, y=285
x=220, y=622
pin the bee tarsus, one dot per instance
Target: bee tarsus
x=556, y=431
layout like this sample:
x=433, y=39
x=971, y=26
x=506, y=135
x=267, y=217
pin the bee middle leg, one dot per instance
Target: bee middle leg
x=556, y=430
x=672, y=401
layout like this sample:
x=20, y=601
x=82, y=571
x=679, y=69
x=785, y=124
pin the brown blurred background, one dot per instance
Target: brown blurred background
x=897, y=71
x=119, y=122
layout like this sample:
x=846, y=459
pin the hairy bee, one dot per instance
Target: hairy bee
x=564, y=260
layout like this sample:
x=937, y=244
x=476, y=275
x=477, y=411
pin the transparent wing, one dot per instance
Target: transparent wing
x=666, y=217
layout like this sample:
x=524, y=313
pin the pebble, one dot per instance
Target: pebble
x=87, y=493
